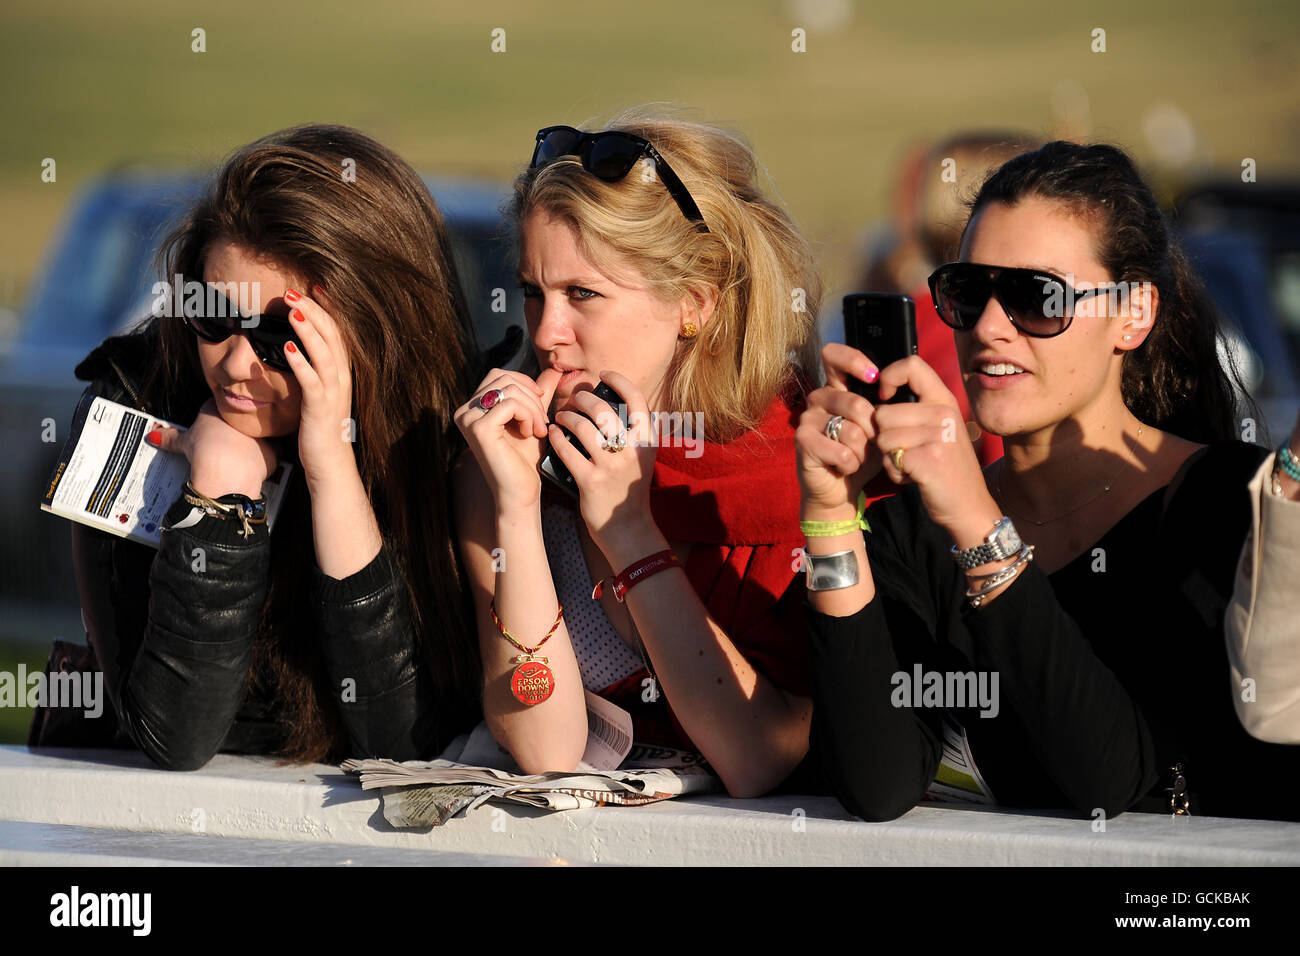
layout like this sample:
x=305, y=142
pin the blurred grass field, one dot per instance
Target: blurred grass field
x=16, y=721
x=96, y=85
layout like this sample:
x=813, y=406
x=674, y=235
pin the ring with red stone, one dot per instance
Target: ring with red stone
x=490, y=398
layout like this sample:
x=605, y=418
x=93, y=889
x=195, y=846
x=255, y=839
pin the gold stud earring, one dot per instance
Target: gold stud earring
x=689, y=330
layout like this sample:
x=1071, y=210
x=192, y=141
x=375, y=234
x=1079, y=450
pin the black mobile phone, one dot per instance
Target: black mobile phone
x=882, y=326
x=556, y=470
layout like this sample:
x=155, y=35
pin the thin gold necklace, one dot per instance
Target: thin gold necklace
x=1066, y=514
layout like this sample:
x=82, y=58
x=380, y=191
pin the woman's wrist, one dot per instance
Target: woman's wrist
x=519, y=524
x=326, y=477
x=972, y=528
x=624, y=547
x=517, y=514
x=215, y=485
x=818, y=512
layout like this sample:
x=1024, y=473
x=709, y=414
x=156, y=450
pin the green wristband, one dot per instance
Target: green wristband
x=829, y=529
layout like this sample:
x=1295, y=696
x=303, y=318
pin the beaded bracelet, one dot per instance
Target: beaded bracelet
x=1287, y=461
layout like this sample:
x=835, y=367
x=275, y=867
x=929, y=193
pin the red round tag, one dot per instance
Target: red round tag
x=532, y=682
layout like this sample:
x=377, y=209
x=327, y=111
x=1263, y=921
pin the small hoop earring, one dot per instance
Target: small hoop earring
x=689, y=330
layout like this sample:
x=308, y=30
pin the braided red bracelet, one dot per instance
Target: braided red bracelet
x=636, y=573
x=532, y=681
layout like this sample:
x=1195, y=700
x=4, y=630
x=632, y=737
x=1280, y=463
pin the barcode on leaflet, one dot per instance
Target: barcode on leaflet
x=129, y=432
x=607, y=733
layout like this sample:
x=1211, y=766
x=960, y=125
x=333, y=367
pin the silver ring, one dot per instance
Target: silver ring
x=833, y=427
x=489, y=398
x=617, y=443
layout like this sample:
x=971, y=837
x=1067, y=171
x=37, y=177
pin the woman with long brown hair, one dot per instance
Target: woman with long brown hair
x=343, y=633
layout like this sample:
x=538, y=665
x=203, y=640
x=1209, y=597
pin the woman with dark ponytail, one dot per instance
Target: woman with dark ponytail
x=1049, y=631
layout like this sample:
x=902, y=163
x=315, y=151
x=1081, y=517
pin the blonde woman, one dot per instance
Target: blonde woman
x=651, y=262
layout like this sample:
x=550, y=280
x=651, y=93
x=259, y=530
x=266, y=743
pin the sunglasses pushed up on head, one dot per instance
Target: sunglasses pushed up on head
x=610, y=156
x=1037, y=302
x=214, y=318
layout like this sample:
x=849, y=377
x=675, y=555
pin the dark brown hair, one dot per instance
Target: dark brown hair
x=376, y=244
x=1176, y=380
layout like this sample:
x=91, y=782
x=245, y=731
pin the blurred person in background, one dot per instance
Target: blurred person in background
x=930, y=202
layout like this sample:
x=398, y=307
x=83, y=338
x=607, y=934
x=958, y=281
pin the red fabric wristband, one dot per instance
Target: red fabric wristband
x=636, y=573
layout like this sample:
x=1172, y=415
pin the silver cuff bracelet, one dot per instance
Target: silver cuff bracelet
x=830, y=572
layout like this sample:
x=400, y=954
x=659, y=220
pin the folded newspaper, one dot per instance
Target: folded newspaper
x=110, y=478
x=427, y=793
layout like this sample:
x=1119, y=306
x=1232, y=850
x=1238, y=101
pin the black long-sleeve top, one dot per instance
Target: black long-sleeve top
x=173, y=629
x=176, y=646
x=1110, y=671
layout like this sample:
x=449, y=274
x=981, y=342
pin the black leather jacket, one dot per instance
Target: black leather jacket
x=175, y=643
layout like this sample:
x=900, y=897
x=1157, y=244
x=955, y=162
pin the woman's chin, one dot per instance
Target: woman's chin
x=262, y=423
x=996, y=421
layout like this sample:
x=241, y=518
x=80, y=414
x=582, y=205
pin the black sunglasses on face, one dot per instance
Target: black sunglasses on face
x=610, y=156
x=1038, y=303
x=218, y=318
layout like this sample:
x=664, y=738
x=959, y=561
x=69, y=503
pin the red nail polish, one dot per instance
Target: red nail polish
x=291, y=296
x=297, y=316
x=872, y=375
x=154, y=437
x=290, y=347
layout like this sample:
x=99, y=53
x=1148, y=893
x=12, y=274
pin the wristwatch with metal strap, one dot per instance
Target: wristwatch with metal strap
x=1002, y=543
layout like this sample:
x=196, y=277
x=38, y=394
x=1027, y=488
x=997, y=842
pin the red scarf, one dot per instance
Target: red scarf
x=737, y=504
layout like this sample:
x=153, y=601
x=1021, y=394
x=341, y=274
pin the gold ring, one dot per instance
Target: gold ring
x=896, y=456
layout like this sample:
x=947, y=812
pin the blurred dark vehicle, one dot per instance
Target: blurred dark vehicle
x=96, y=282
x=1244, y=239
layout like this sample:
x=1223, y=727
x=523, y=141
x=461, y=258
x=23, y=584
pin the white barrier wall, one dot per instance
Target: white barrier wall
x=80, y=807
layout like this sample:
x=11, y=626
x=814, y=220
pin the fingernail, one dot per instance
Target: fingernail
x=153, y=437
x=297, y=315
x=291, y=296
x=872, y=375
x=290, y=347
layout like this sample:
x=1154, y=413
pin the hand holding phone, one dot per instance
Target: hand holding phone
x=882, y=326
x=555, y=470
